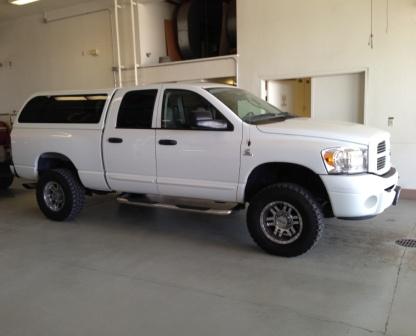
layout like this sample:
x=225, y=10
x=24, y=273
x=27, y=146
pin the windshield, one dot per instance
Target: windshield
x=247, y=106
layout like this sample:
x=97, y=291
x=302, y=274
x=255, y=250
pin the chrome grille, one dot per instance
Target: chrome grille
x=381, y=147
x=379, y=155
x=381, y=162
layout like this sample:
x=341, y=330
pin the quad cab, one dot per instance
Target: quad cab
x=204, y=148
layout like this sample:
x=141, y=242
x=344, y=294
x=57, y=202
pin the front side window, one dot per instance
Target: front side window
x=247, y=106
x=187, y=110
x=136, y=109
x=64, y=109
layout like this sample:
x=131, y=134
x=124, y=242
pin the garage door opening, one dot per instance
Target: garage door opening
x=332, y=97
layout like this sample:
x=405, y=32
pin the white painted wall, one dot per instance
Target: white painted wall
x=338, y=97
x=150, y=37
x=152, y=30
x=190, y=70
x=53, y=56
x=301, y=38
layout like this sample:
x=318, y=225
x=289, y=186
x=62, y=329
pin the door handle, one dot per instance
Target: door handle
x=167, y=142
x=115, y=140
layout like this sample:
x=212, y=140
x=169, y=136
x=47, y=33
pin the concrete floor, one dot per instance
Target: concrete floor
x=121, y=270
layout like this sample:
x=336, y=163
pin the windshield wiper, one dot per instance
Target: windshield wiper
x=268, y=117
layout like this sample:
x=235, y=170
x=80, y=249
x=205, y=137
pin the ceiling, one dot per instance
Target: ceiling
x=8, y=11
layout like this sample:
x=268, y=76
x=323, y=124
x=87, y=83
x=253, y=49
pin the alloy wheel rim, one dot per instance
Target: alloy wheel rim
x=281, y=222
x=54, y=196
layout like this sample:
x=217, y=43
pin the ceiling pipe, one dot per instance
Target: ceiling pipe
x=133, y=35
x=119, y=67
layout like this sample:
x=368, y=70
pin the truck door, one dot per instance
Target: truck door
x=197, y=148
x=129, y=141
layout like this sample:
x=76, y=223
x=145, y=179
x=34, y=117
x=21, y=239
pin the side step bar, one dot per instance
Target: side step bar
x=148, y=202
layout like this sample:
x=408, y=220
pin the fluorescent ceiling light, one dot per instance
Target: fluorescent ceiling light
x=69, y=98
x=21, y=2
x=79, y=98
x=96, y=97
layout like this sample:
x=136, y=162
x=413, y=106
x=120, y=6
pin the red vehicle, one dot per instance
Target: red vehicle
x=6, y=176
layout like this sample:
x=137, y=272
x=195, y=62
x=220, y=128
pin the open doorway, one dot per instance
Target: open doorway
x=291, y=95
x=331, y=97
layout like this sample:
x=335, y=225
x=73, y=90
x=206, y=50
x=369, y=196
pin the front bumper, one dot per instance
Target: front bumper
x=361, y=196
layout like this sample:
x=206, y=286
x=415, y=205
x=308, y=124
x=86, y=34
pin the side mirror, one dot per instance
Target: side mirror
x=212, y=124
x=203, y=119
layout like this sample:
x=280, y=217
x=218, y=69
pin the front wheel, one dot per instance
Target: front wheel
x=285, y=220
x=60, y=195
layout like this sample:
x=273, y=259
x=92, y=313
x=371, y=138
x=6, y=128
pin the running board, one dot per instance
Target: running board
x=154, y=203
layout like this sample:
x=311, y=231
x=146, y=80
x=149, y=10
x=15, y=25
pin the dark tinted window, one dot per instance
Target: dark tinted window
x=74, y=109
x=136, y=109
x=184, y=109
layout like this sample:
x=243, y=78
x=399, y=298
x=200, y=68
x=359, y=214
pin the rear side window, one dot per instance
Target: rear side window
x=71, y=109
x=136, y=109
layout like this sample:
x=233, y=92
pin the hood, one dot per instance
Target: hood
x=342, y=131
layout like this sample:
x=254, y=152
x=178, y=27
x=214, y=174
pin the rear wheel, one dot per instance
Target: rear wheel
x=285, y=220
x=60, y=195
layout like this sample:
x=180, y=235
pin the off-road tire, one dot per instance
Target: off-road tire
x=301, y=200
x=73, y=191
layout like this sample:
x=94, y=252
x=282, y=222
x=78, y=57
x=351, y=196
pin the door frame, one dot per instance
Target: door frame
x=111, y=128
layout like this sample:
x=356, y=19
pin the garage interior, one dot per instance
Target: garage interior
x=130, y=270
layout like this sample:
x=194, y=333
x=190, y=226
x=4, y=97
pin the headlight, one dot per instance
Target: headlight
x=346, y=160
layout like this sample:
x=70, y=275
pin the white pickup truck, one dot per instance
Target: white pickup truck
x=207, y=148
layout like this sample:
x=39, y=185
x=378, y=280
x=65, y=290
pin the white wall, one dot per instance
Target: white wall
x=301, y=38
x=338, y=97
x=53, y=56
x=152, y=30
x=191, y=70
x=150, y=36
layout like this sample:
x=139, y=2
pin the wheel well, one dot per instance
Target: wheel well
x=271, y=173
x=48, y=161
